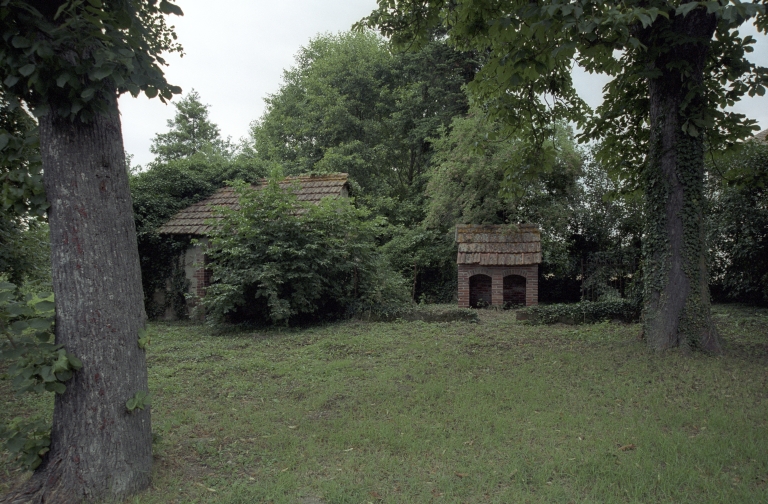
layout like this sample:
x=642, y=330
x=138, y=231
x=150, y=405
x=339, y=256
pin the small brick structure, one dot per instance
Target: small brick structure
x=498, y=265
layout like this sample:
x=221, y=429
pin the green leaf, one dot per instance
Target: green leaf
x=11, y=80
x=685, y=8
x=57, y=387
x=130, y=404
x=61, y=9
x=20, y=42
x=19, y=326
x=87, y=94
x=63, y=376
x=19, y=310
x=40, y=324
x=74, y=362
x=44, y=306
x=169, y=8
x=27, y=70
x=62, y=79
x=100, y=73
x=95, y=3
x=143, y=338
x=150, y=91
x=15, y=444
x=32, y=461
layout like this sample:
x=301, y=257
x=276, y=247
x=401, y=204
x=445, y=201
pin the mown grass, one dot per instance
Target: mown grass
x=494, y=411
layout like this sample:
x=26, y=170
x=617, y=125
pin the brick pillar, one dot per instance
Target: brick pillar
x=463, y=286
x=497, y=289
x=202, y=280
x=532, y=285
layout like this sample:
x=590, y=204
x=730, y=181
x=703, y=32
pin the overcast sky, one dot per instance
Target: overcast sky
x=236, y=51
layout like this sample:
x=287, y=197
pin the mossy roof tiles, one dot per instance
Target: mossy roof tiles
x=498, y=245
x=313, y=188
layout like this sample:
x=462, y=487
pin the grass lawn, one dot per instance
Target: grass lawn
x=416, y=412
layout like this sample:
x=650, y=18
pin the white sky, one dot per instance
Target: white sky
x=236, y=51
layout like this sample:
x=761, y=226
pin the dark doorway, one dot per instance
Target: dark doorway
x=514, y=290
x=480, y=288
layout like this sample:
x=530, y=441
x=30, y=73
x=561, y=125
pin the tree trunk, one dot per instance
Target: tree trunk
x=676, y=292
x=99, y=450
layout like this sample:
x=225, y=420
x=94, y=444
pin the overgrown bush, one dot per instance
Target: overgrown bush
x=427, y=259
x=585, y=312
x=158, y=193
x=280, y=260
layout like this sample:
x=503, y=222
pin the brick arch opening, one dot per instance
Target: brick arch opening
x=514, y=290
x=480, y=291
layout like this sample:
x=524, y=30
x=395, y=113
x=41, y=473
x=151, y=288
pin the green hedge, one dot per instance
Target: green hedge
x=584, y=312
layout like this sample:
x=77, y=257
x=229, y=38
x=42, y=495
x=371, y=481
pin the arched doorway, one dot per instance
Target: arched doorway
x=514, y=290
x=480, y=291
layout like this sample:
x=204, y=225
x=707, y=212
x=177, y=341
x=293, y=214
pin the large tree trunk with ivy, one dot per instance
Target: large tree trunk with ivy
x=676, y=303
x=100, y=451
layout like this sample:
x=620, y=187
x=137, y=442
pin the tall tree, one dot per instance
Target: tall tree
x=676, y=65
x=190, y=131
x=350, y=105
x=68, y=61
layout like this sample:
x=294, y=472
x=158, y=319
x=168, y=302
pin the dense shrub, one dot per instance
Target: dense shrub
x=585, y=312
x=280, y=260
x=426, y=258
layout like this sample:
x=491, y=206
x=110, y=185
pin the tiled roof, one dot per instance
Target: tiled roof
x=312, y=188
x=762, y=135
x=488, y=245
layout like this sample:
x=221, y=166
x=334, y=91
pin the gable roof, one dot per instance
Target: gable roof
x=488, y=245
x=762, y=135
x=312, y=188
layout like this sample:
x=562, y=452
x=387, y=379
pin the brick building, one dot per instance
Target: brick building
x=498, y=265
x=195, y=221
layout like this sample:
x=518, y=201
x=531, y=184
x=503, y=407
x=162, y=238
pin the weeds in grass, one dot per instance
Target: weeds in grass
x=494, y=411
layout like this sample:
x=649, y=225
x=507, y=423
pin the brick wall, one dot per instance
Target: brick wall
x=497, y=273
x=202, y=280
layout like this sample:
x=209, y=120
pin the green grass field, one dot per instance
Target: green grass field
x=414, y=412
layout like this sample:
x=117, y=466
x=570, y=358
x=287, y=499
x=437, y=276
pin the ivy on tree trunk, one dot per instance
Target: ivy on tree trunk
x=676, y=300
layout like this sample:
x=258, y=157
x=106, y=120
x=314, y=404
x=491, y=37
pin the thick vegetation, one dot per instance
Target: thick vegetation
x=421, y=159
x=280, y=260
x=738, y=224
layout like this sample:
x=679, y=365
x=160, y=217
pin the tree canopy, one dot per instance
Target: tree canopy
x=676, y=67
x=190, y=131
x=350, y=105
